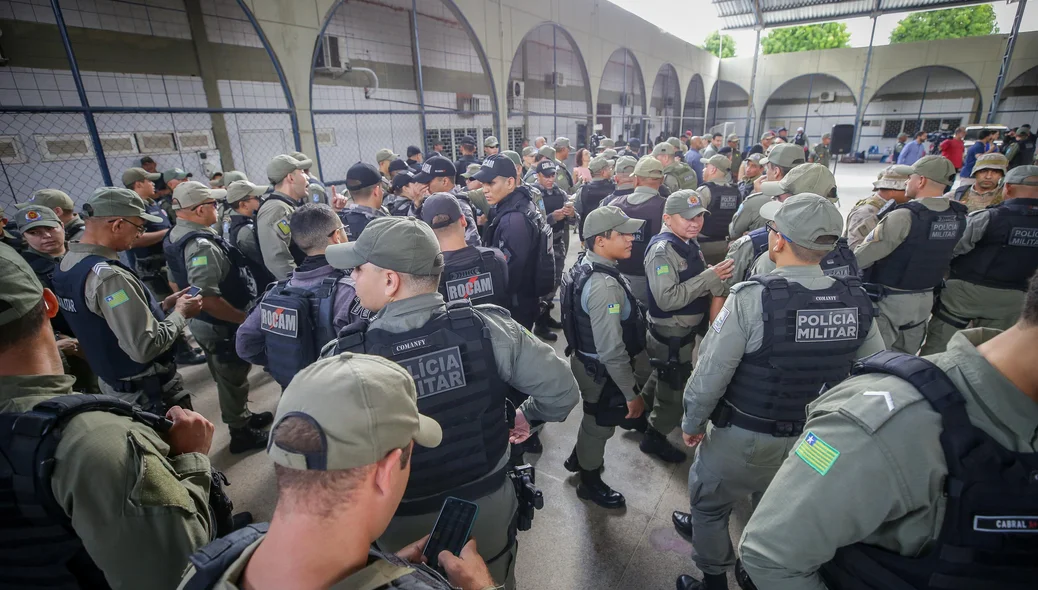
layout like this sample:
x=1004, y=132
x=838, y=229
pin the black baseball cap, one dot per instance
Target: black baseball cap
x=437, y=167
x=397, y=164
x=401, y=180
x=362, y=175
x=546, y=168
x=467, y=140
x=413, y=150
x=495, y=166
x=441, y=204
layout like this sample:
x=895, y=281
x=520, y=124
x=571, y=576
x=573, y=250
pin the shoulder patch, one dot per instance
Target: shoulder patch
x=817, y=453
x=738, y=243
x=663, y=269
x=614, y=308
x=283, y=226
x=720, y=319
x=875, y=401
x=116, y=299
x=200, y=261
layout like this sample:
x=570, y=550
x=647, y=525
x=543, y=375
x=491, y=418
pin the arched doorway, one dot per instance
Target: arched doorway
x=1019, y=102
x=726, y=109
x=693, y=115
x=621, y=96
x=815, y=102
x=664, y=115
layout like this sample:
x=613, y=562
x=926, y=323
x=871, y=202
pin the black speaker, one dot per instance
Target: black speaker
x=842, y=139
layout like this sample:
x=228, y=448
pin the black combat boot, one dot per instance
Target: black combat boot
x=261, y=420
x=246, y=439
x=742, y=578
x=185, y=355
x=591, y=487
x=654, y=443
x=709, y=582
x=544, y=332
x=572, y=464
x=549, y=321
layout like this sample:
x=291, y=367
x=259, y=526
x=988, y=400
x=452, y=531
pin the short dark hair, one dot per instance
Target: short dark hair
x=311, y=225
x=23, y=328
x=1030, y=313
x=717, y=135
x=590, y=240
x=784, y=170
x=362, y=193
x=918, y=133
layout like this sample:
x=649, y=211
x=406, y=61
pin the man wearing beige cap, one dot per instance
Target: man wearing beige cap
x=986, y=189
x=722, y=199
x=348, y=432
x=229, y=178
x=677, y=175
x=590, y=196
x=990, y=265
x=146, y=257
x=733, y=142
x=748, y=175
x=766, y=140
x=63, y=207
x=124, y=498
x=753, y=381
x=623, y=178
x=383, y=158
x=565, y=180
x=466, y=363
x=243, y=199
x=643, y=203
x=315, y=189
x=273, y=232
x=491, y=146
x=820, y=153
x=909, y=251
x=198, y=257
x=889, y=187
x=127, y=335
x=778, y=163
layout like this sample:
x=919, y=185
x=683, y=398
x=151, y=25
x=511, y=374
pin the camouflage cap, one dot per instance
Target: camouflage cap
x=993, y=161
x=1025, y=175
x=529, y=151
x=936, y=168
x=805, y=178
x=490, y=142
x=649, y=167
x=51, y=198
x=805, y=217
x=36, y=216
x=893, y=177
x=625, y=165
x=470, y=170
x=20, y=291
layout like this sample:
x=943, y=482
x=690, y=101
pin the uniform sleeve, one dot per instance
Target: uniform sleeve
x=605, y=304
x=471, y=229
x=122, y=302
x=515, y=243
x=206, y=266
x=661, y=270
x=976, y=225
x=741, y=251
x=249, y=340
x=873, y=341
x=884, y=238
x=860, y=222
x=479, y=199
x=274, y=236
x=743, y=218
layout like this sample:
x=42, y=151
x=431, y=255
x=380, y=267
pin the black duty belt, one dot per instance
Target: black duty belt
x=683, y=341
x=729, y=415
x=470, y=491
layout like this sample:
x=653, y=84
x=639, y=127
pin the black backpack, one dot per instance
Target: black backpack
x=543, y=274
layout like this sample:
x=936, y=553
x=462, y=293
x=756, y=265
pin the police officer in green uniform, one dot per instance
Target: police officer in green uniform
x=528, y=154
x=751, y=380
x=864, y=216
x=565, y=179
x=821, y=154
x=490, y=146
x=560, y=215
x=590, y=195
x=383, y=158
x=146, y=254
x=243, y=199
x=623, y=178
x=909, y=251
x=643, y=203
x=733, y=142
x=465, y=360
x=198, y=257
x=123, y=498
x=682, y=289
x=605, y=330
x=63, y=207
x=722, y=199
x=782, y=158
x=226, y=210
x=677, y=175
x=273, y=233
x=990, y=265
x=904, y=472
x=316, y=192
x=750, y=174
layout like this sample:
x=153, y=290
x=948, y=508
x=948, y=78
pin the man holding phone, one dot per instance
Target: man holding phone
x=339, y=485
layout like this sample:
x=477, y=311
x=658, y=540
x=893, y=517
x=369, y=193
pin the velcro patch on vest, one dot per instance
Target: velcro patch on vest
x=639, y=236
x=358, y=310
x=1026, y=237
x=436, y=372
x=945, y=227
x=474, y=287
x=837, y=271
x=279, y=320
x=1006, y=524
x=729, y=201
x=827, y=325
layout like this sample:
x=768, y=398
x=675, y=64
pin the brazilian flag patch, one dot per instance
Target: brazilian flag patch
x=116, y=299
x=663, y=269
x=817, y=453
x=200, y=261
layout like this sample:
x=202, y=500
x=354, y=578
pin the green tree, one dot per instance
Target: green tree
x=951, y=23
x=713, y=44
x=806, y=38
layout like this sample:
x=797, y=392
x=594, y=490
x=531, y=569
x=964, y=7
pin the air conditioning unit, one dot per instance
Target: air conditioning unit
x=827, y=97
x=516, y=104
x=332, y=59
x=517, y=89
x=554, y=80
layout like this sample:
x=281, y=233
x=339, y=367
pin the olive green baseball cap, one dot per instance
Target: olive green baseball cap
x=677, y=144
x=805, y=217
x=111, y=201
x=20, y=291
x=385, y=154
x=134, y=175
x=606, y=144
x=36, y=216
x=301, y=157
x=547, y=152
x=686, y=203
x=239, y=189
x=598, y=164
x=608, y=153
x=993, y=161
x=470, y=170
x=606, y=218
x=805, y=178
x=193, y=193
x=233, y=176
x=625, y=165
x=513, y=156
x=733, y=137
x=1025, y=175
x=529, y=151
x=561, y=143
x=364, y=406
x=175, y=174
x=403, y=244
x=491, y=142
x=649, y=167
x=786, y=155
x=664, y=149
x=51, y=198
x=936, y=168
x=893, y=177
x=283, y=165
x=720, y=162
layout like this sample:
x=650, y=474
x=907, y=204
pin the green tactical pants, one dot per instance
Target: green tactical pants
x=902, y=320
x=967, y=303
x=666, y=404
x=229, y=371
x=591, y=437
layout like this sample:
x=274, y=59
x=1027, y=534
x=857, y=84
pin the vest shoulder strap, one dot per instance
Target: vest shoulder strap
x=351, y=337
x=957, y=207
x=213, y=560
x=927, y=378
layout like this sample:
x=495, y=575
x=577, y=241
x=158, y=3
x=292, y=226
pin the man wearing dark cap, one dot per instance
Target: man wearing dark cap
x=467, y=147
x=409, y=194
x=364, y=183
x=78, y=523
x=560, y=214
x=414, y=158
x=62, y=205
x=778, y=163
x=273, y=231
x=482, y=355
x=756, y=381
x=909, y=251
x=438, y=175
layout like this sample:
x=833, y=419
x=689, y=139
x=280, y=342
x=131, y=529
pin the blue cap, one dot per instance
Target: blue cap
x=493, y=167
x=397, y=164
x=441, y=204
x=436, y=167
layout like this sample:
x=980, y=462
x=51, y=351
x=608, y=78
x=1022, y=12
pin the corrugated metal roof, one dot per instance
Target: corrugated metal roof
x=747, y=14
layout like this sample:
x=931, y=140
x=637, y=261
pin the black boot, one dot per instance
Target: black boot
x=591, y=487
x=261, y=420
x=572, y=464
x=709, y=582
x=742, y=578
x=655, y=443
x=682, y=522
x=186, y=355
x=247, y=439
x=549, y=321
x=543, y=332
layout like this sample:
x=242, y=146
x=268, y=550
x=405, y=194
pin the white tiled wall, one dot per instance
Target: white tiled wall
x=159, y=18
x=251, y=95
x=55, y=88
x=226, y=23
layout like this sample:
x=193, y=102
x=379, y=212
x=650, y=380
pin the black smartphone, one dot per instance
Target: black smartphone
x=193, y=290
x=452, y=529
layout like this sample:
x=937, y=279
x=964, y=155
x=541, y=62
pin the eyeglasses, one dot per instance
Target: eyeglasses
x=207, y=204
x=341, y=228
x=140, y=228
x=771, y=227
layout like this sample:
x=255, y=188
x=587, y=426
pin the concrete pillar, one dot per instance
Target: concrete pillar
x=204, y=54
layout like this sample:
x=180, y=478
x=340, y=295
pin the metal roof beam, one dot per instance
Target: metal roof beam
x=758, y=14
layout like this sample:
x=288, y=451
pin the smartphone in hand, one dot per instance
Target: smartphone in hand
x=193, y=290
x=452, y=529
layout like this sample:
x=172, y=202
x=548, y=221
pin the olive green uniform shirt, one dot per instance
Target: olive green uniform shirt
x=886, y=487
x=606, y=305
x=679, y=176
x=741, y=252
x=862, y=219
x=662, y=266
x=821, y=154
x=747, y=217
x=274, y=235
x=139, y=511
x=563, y=178
x=205, y=262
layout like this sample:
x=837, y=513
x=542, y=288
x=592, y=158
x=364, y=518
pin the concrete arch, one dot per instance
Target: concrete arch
x=1019, y=102
x=911, y=74
x=727, y=103
x=693, y=112
x=621, y=95
x=798, y=102
x=664, y=114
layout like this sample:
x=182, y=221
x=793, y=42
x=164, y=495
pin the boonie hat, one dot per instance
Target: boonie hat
x=437, y=167
x=609, y=217
x=546, y=168
x=403, y=244
x=470, y=170
x=36, y=216
x=805, y=217
x=994, y=161
x=495, y=166
x=362, y=175
x=365, y=407
x=686, y=203
x=110, y=201
x=720, y=162
x=51, y=198
x=936, y=168
x=625, y=165
x=239, y=189
x=439, y=204
x=20, y=291
x=805, y=178
x=648, y=167
x=283, y=165
x=138, y=174
x=192, y=193
x=385, y=154
x=786, y=155
x=893, y=177
x=490, y=142
x=598, y=164
x=1025, y=175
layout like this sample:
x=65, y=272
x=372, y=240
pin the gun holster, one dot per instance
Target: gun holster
x=672, y=371
x=722, y=415
x=524, y=478
x=220, y=504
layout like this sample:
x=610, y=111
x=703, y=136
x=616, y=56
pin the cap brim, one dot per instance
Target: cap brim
x=769, y=209
x=484, y=175
x=693, y=212
x=153, y=177
x=151, y=218
x=630, y=226
x=423, y=178
x=772, y=188
x=219, y=194
x=344, y=255
x=429, y=432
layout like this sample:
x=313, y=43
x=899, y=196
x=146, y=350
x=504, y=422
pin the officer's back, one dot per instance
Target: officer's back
x=644, y=203
x=365, y=185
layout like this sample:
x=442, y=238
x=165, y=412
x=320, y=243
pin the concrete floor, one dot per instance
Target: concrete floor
x=573, y=544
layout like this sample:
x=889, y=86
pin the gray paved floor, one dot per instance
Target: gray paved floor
x=573, y=544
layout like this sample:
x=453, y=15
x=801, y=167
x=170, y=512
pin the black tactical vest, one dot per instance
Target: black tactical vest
x=477, y=275
x=590, y=197
x=149, y=261
x=1025, y=154
x=650, y=211
x=919, y=263
x=259, y=270
x=576, y=322
x=554, y=199
x=1007, y=254
x=297, y=253
x=616, y=194
x=840, y=262
x=357, y=218
x=238, y=287
x=44, y=267
x=811, y=338
x=987, y=538
x=695, y=264
x=724, y=202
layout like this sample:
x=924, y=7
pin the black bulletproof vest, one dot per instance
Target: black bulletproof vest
x=40, y=548
x=840, y=261
x=238, y=288
x=153, y=252
x=576, y=322
x=356, y=219
x=695, y=264
x=44, y=267
x=539, y=274
x=919, y=263
x=724, y=202
x=475, y=274
x=811, y=338
x=987, y=538
x=452, y=361
x=297, y=253
x=256, y=267
x=1007, y=254
x=590, y=197
x=651, y=211
x=616, y=194
x=554, y=199
x=97, y=340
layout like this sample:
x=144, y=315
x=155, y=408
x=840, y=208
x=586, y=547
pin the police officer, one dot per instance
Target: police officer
x=990, y=265
x=467, y=147
x=471, y=184
x=528, y=154
x=169, y=181
x=751, y=380
x=722, y=199
x=491, y=146
x=98, y=495
x=749, y=175
x=146, y=254
x=464, y=360
x=677, y=175
x=414, y=158
x=1021, y=152
x=590, y=196
x=226, y=209
x=365, y=186
x=273, y=232
x=605, y=330
x=986, y=190
x=198, y=257
x=821, y=154
x=561, y=214
x=383, y=158
x=565, y=179
x=408, y=194
x=545, y=152
x=125, y=333
x=63, y=207
x=315, y=189
x=623, y=178
x=276, y=335
x=778, y=163
x=469, y=272
x=44, y=237
x=606, y=143
x=438, y=175
x=243, y=199
x=889, y=187
x=736, y=157
x=852, y=509
x=8, y=233
x=909, y=252
x=643, y=203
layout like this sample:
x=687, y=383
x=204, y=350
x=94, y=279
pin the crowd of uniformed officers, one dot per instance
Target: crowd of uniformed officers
x=408, y=322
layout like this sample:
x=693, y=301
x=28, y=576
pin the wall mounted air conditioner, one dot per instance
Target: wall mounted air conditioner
x=827, y=97
x=331, y=59
x=517, y=89
x=555, y=80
